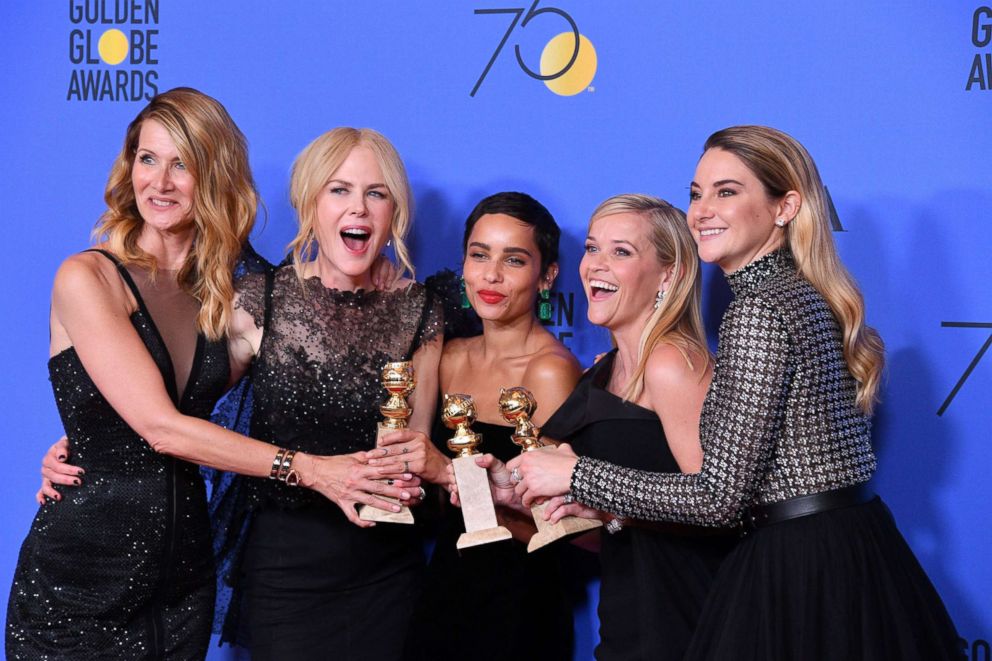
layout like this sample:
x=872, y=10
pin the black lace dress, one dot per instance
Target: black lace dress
x=122, y=567
x=313, y=585
x=517, y=601
x=654, y=581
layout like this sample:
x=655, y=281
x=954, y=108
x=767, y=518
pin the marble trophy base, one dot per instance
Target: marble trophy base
x=369, y=513
x=478, y=511
x=548, y=532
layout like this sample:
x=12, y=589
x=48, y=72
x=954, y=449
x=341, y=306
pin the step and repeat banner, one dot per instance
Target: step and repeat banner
x=571, y=101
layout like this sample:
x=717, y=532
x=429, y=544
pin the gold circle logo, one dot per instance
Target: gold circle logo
x=113, y=47
x=555, y=57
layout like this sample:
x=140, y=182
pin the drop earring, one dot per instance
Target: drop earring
x=658, y=298
x=461, y=290
x=544, y=305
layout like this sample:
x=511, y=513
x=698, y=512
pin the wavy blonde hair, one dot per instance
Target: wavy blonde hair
x=782, y=164
x=678, y=321
x=315, y=166
x=225, y=201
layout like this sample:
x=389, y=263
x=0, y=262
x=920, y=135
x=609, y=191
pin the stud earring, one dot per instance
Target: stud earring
x=780, y=222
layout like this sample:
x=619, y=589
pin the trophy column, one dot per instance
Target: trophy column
x=398, y=380
x=478, y=511
x=517, y=405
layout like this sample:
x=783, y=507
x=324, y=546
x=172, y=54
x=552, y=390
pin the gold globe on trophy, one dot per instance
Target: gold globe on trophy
x=399, y=381
x=479, y=513
x=517, y=405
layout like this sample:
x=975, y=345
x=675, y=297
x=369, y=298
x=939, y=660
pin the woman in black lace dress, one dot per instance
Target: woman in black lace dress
x=122, y=567
x=313, y=581
x=823, y=572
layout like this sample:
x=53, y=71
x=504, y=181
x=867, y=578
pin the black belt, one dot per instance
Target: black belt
x=760, y=516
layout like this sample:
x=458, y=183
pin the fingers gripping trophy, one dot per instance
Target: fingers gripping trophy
x=478, y=511
x=517, y=405
x=399, y=381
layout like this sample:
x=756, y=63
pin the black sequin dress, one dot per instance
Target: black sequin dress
x=780, y=421
x=518, y=603
x=121, y=567
x=654, y=580
x=312, y=584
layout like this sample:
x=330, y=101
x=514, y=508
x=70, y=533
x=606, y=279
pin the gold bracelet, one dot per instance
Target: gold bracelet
x=286, y=472
x=277, y=463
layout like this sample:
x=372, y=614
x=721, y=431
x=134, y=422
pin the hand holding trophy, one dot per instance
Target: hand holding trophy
x=399, y=381
x=517, y=405
x=478, y=511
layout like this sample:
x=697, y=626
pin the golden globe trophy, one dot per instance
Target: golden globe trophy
x=517, y=405
x=398, y=380
x=478, y=511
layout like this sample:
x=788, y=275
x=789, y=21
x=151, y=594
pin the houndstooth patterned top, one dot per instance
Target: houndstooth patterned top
x=779, y=420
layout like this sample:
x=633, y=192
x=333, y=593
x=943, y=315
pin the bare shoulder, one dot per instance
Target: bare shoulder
x=85, y=275
x=668, y=370
x=553, y=364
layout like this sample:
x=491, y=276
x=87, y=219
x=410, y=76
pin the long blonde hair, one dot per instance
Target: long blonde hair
x=678, y=320
x=314, y=167
x=782, y=164
x=225, y=201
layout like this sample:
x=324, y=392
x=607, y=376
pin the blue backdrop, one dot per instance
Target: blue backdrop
x=892, y=99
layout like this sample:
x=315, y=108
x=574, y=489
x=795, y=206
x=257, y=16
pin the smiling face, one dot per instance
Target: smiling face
x=731, y=216
x=502, y=268
x=163, y=188
x=621, y=272
x=354, y=217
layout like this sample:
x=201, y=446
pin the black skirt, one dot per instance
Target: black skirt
x=841, y=584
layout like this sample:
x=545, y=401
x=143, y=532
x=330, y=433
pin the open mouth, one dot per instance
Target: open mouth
x=159, y=203
x=710, y=233
x=356, y=239
x=600, y=290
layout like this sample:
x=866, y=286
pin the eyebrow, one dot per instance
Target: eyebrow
x=722, y=182
x=511, y=249
x=348, y=183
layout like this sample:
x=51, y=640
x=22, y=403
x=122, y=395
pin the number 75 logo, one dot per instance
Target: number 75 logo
x=568, y=62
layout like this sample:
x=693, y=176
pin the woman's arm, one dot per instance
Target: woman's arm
x=98, y=324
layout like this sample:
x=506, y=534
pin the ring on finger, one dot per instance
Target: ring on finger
x=423, y=493
x=515, y=475
x=390, y=482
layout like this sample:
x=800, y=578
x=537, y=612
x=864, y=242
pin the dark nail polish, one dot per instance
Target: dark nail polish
x=76, y=482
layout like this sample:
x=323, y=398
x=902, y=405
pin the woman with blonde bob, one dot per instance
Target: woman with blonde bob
x=823, y=572
x=638, y=408
x=144, y=340
x=317, y=333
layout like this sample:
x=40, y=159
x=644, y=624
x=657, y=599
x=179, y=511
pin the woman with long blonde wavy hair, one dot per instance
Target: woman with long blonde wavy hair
x=823, y=572
x=144, y=340
x=638, y=408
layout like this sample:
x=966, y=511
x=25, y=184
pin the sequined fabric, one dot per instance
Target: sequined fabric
x=316, y=378
x=121, y=567
x=779, y=420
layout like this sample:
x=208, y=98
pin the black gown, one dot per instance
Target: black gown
x=121, y=567
x=493, y=601
x=654, y=581
x=312, y=585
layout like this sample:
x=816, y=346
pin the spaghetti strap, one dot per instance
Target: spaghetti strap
x=128, y=280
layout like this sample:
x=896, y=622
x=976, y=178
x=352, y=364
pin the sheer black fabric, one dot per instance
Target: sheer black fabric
x=121, y=566
x=316, y=388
